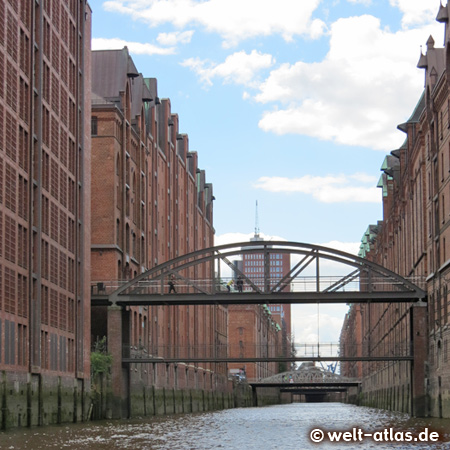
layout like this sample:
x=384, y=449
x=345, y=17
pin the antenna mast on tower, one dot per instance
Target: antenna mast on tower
x=256, y=221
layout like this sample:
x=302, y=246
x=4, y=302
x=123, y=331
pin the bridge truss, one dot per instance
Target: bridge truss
x=318, y=275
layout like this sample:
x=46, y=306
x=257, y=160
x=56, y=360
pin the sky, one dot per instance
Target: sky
x=293, y=104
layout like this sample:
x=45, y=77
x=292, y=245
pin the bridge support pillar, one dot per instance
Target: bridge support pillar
x=114, y=320
x=419, y=349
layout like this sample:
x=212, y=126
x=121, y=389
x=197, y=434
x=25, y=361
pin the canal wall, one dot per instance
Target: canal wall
x=439, y=396
x=37, y=399
x=153, y=401
x=385, y=388
x=148, y=400
x=438, y=375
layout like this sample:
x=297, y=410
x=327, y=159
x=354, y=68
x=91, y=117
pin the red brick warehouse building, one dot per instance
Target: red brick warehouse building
x=413, y=239
x=150, y=203
x=44, y=210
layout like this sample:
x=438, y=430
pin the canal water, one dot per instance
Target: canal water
x=287, y=427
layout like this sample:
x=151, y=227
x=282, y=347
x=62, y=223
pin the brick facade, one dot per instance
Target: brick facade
x=44, y=194
x=150, y=203
x=253, y=334
x=44, y=189
x=413, y=239
x=259, y=331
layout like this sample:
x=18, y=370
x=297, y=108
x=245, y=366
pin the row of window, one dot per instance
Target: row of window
x=261, y=270
x=261, y=256
x=261, y=263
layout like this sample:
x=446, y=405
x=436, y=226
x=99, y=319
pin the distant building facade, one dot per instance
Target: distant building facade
x=413, y=239
x=44, y=209
x=150, y=203
x=260, y=330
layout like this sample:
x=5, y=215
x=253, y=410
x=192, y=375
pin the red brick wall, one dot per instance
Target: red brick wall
x=39, y=218
x=172, y=222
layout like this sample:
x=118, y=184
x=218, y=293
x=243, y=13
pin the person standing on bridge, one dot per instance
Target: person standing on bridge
x=172, y=284
x=240, y=283
x=229, y=284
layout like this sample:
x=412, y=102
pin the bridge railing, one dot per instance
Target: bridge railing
x=161, y=286
x=245, y=350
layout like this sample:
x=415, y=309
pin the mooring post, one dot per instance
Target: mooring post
x=254, y=396
x=419, y=341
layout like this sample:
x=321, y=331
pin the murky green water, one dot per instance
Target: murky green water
x=286, y=427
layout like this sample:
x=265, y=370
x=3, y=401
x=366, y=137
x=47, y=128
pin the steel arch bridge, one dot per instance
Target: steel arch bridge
x=309, y=380
x=199, y=280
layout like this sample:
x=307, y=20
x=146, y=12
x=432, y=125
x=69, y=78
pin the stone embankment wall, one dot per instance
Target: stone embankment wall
x=159, y=401
x=32, y=400
x=36, y=400
x=387, y=388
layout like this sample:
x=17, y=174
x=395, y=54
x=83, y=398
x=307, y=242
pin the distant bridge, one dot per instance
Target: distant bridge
x=307, y=352
x=308, y=380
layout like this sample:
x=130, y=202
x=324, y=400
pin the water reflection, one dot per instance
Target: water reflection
x=284, y=427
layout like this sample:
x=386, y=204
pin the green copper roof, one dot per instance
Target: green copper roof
x=382, y=183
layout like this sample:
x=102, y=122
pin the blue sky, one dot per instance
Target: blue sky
x=293, y=103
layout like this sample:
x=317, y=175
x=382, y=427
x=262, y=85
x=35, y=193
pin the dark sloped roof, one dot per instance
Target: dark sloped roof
x=139, y=93
x=110, y=69
x=415, y=116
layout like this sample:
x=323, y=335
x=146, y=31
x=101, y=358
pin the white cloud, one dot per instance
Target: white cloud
x=366, y=85
x=416, y=12
x=327, y=189
x=231, y=238
x=362, y=2
x=134, y=47
x=238, y=68
x=348, y=247
x=330, y=270
x=254, y=18
x=174, y=38
x=307, y=329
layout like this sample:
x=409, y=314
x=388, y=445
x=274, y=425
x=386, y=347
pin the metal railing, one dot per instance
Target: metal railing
x=211, y=286
x=236, y=351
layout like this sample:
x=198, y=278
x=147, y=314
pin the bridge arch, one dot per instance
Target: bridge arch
x=313, y=382
x=199, y=274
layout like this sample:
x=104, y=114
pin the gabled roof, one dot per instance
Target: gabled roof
x=415, y=116
x=110, y=70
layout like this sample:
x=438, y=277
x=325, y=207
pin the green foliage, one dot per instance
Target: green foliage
x=101, y=360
